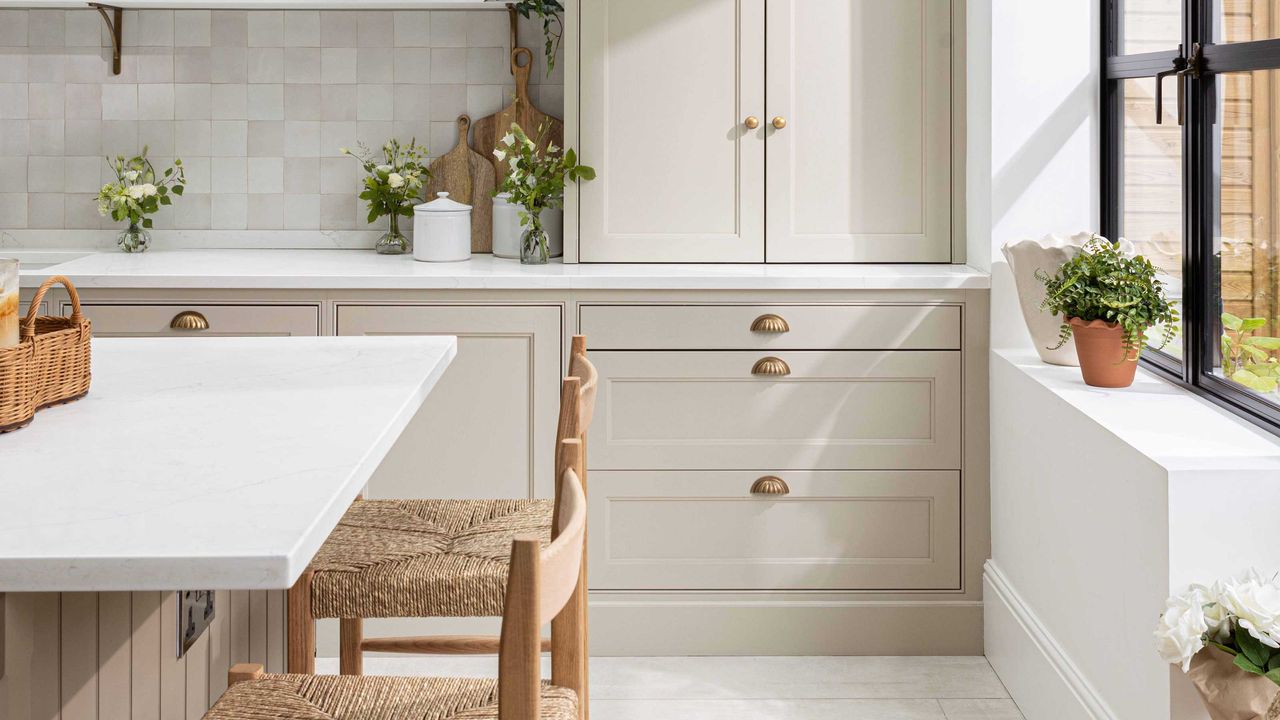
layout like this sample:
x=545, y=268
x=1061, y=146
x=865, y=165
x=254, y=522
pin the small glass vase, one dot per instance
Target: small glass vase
x=535, y=246
x=394, y=242
x=134, y=239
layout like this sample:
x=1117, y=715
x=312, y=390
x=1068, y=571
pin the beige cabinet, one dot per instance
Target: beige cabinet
x=488, y=428
x=830, y=531
x=665, y=87
x=199, y=320
x=830, y=410
x=765, y=130
x=862, y=170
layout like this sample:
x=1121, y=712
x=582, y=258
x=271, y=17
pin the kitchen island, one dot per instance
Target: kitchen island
x=192, y=464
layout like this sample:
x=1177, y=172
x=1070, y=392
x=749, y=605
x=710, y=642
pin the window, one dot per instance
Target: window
x=1191, y=176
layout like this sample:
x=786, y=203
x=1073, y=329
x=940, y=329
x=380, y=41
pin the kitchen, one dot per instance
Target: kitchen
x=373, y=268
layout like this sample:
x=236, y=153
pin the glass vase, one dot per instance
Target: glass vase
x=535, y=246
x=394, y=242
x=134, y=239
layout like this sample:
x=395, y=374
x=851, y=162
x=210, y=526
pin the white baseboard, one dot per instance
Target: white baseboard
x=1043, y=680
x=625, y=624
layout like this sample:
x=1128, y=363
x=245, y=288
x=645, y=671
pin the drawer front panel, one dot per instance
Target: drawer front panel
x=808, y=327
x=832, y=531
x=223, y=320
x=834, y=411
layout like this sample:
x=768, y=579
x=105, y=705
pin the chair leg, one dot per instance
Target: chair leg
x=568, y=647
x=302, y=628
x=351, y=652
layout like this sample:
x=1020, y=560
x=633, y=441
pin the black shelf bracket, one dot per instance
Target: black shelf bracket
x=115, y=24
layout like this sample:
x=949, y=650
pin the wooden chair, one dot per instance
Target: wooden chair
x=542, y=582
x=433, y=558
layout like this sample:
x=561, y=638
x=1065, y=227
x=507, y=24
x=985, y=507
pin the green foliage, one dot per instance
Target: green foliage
x=551, y=13
x=394, y=182
x=1254, y=657
x=1102, y=283
x=1246, y=358
x=139, y=190
x=536, y=180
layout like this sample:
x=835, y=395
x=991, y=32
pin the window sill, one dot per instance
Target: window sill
x=1170, y=426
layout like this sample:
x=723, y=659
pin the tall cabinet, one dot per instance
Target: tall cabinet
x=783, y=131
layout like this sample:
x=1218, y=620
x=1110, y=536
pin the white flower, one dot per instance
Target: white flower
x=508, y=139
x=500, y=154
x=384, y=169
x=395, y=180
x=1180, y=632
x=137, y=192
x=344, y=151
x=131, y=175
x=1256, y=602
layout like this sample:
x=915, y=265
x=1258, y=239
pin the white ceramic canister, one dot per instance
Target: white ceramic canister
x=442, y=230
x=507, y=229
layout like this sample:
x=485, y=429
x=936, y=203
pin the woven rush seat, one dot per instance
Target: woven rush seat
x=332, y=697
x=423, y=558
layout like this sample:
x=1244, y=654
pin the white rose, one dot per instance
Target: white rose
x=137, y=192
x=384, y=168
x=1216, y=615
x=1256, y=602
x=395, y=180
x=1180, y=632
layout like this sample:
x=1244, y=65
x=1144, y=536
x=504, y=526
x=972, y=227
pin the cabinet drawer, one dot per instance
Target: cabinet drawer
x=222, y=320
x=832, y=531
x=841, y=410
x=807, y=327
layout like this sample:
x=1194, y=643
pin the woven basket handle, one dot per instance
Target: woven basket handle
x=29, y=323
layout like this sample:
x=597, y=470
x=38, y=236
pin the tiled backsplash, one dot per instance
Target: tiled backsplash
x=256, y=103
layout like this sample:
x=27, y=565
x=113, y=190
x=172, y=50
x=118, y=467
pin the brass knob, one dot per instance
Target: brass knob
x=771, y=366
x=770, y=485
x=770, y=324
x=189, y=320
x=752, y=122
x=779, y=122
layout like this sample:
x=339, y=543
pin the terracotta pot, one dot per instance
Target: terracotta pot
x=1103, y=359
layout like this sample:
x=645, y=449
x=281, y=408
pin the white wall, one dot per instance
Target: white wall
x=1033, y=129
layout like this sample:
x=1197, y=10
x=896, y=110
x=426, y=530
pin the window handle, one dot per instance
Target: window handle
x=1179, y=65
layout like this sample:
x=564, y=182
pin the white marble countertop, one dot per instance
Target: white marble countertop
x=212, y=463
x=362, y=269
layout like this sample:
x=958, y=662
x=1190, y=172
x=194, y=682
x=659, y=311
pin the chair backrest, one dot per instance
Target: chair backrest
x=580, y=366
x=539, y=584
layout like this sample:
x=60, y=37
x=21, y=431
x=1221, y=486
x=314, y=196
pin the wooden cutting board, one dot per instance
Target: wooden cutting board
x=468, y=178
x=489, y=131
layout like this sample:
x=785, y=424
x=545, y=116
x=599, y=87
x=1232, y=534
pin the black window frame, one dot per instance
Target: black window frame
x=1202, y=61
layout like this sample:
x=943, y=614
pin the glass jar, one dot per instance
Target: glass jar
x=9, y=321
x=134, y=239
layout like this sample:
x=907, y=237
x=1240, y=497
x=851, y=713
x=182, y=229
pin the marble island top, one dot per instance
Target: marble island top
x=363, y=269
x=208, y=463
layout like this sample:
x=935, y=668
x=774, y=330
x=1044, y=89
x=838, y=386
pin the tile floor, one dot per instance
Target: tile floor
x=765, y=688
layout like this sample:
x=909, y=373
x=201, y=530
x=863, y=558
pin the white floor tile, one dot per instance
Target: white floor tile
x=981, y=710
x=766, y=710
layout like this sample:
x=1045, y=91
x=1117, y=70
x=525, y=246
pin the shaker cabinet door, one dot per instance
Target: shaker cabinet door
x=488, y=428
x=861, y=170
x=666, y=87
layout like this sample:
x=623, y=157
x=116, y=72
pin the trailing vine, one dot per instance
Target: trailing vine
x=551, y=13
x=1103, y=283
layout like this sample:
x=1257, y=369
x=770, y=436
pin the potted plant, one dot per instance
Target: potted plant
x=536, y=182
x=137, y=193
x=392, y=186
x=1226, y=637
x=1108, y=301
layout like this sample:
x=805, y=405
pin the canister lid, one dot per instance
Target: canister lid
x=442, y=204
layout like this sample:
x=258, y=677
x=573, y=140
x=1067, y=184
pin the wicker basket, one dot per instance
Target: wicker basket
x=50, y=363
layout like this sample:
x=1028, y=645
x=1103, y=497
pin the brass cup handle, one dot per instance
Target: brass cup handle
x=771, y=366
x=189, y=320
x=770, y=485
x=779, y=122
x=752, y=122
x=773, y=324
